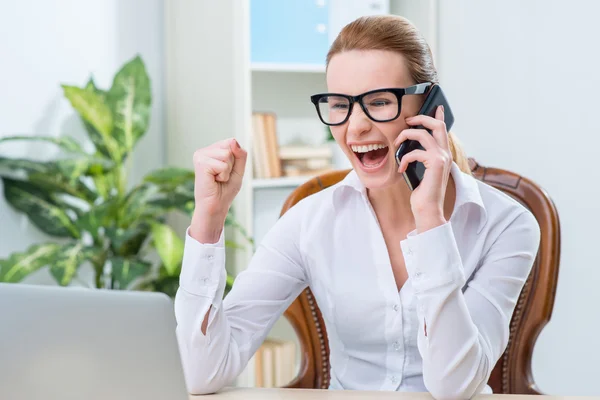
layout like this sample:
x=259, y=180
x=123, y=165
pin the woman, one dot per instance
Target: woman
x=417, y=288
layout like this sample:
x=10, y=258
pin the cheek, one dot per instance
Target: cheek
x=410, y=106
x=339, y=133
x=391, y=130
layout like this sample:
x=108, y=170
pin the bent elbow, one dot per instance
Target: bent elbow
x=200, y=381
x=451, y=391
x=207, y=369
x=457, y=386
x=198, y=388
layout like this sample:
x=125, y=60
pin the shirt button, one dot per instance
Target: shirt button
x=397, y=345
x=396, y=307
x=210, y=256
x=409, y=251
x=394, y=379
x=205, y=280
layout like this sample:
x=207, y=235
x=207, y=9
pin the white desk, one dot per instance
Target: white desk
x=315, y=394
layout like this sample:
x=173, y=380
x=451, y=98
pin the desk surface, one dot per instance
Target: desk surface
x=314, y=394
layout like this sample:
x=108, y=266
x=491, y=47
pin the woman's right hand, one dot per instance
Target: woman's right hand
x=219, y=169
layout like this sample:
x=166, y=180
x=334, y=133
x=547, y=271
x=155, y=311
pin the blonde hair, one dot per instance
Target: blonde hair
x=396, y=33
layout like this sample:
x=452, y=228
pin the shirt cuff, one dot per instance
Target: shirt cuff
x=432, y=258
x=203, y=266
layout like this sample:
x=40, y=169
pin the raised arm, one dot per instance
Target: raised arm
x=217, y=337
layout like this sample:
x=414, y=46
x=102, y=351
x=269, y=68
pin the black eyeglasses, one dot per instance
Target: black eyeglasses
x=381, y=105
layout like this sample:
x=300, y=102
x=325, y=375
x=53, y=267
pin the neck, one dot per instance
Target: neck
x=392, y=204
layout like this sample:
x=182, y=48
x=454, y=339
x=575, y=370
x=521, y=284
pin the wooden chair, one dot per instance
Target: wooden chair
x=512, y=374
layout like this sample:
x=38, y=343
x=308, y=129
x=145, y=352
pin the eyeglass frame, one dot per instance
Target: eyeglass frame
x=419, y=88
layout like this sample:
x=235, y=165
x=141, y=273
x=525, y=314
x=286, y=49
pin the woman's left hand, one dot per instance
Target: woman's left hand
x=427, y=200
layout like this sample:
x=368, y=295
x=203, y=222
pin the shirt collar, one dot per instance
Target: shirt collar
x=467, y=191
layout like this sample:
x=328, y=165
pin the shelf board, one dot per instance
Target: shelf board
x=276, y=67
x=276, y=183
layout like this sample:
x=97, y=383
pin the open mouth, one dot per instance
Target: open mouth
x=370, y=155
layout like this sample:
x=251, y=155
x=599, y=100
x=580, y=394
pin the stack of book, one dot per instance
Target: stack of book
x=275, y=363
x=303, y=160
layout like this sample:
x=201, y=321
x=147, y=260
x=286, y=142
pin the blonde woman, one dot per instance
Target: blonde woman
x=417, y=288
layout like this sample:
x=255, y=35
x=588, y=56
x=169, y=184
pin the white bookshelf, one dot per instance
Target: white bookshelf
x=279, y=183
x=212, y=89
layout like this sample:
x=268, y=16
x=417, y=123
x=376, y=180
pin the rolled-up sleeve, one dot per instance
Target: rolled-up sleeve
x=463, y=333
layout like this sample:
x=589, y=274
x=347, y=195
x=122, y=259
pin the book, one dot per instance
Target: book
x=275, y=363
x=305, y=160
x=265, y=152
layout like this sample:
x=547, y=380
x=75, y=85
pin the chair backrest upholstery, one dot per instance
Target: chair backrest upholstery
x=512, y=373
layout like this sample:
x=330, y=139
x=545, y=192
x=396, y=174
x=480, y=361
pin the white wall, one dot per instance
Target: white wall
x=44, y=43
x=208, y=95
x=522, y=78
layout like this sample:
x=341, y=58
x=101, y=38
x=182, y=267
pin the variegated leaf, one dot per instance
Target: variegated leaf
x=68, y=260
x=54, y=176
x=93, y=133
x=65, y=142
x=69, y=171
x=171, y=177
x=179, y=197
x=105, y=184
x=99, y=216
x=21, y=264
x=129, y=99
x=40, y=209
x=127, y=242
x=97, y=117
x=138, y=205
x=126, y=270
x=169, y=247
x=20, y=168
x=91, y=86
x=174, y=201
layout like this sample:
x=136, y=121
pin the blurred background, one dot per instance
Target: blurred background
x=175, y=75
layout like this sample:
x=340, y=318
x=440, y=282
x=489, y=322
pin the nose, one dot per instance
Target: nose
x=358, y=122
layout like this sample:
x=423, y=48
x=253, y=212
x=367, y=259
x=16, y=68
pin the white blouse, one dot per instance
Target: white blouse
x=442, y=332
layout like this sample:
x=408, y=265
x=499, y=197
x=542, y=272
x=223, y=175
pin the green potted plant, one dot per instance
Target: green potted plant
x=82, y=201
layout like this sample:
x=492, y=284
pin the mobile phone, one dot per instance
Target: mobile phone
x=415, y=170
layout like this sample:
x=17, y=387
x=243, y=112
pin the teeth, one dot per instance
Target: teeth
x=366, y=148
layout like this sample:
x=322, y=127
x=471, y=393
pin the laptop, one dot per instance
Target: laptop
x=77, y=343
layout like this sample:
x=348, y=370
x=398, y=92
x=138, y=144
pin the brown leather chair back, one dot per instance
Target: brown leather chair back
x=512, y=374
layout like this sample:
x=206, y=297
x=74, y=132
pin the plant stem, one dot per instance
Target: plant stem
x=98, y=265
x=98, y=274
x=121, y=180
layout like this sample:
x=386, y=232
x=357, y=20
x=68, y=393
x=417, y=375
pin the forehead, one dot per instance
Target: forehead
x=358, y=71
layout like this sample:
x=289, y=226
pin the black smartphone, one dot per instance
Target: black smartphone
x=415, y=170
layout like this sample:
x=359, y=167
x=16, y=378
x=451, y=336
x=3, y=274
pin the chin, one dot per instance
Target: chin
x=383, y=175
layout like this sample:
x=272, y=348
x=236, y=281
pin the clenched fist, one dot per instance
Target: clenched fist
x=219, y=169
